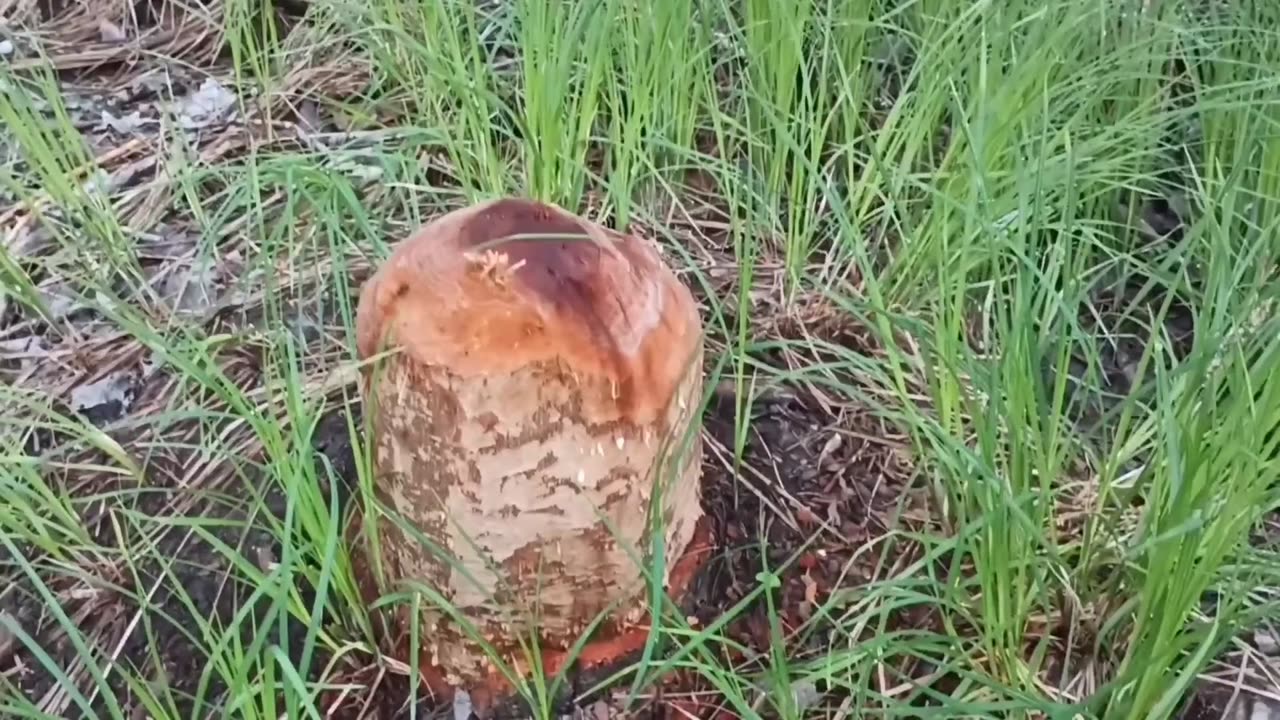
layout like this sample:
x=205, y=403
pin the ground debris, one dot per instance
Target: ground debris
x=209, y=104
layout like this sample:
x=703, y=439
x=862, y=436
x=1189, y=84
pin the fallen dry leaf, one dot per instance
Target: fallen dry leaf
x=833, y=443
x=810, y=589
x=110, y=32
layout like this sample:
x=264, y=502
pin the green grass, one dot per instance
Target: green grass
x=952, y=180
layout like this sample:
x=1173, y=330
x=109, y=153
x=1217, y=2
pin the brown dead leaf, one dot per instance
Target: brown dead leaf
x=833, y=443
x=807, y=518
x=810, y=589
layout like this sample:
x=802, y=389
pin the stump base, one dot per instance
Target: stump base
x=495, y=699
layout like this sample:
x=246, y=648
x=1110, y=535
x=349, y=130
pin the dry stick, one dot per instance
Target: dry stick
x=368, y=698
x=77, y=60
x=100, y=369
x=722, y=454
x=133, y=622
x=1238, y=685
x=59, y=697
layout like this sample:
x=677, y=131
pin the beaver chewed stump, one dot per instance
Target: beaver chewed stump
x=537, y=383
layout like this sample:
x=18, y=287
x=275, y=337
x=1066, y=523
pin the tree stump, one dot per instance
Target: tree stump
x=538, y=383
